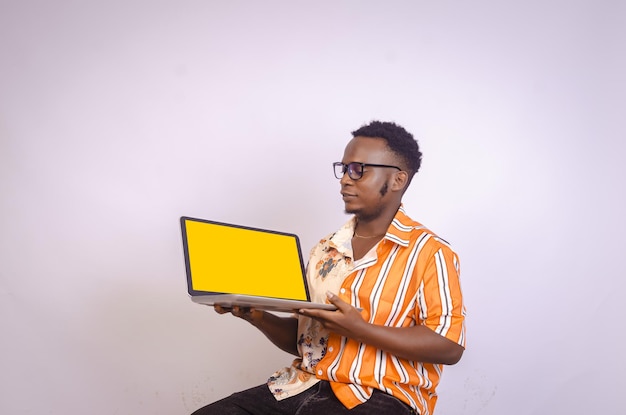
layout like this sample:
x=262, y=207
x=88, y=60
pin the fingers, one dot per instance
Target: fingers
x=221, y=310
x=235, y=310
x=317, y=314
x=334, y=299
x=246, y=313
x=241, y=312
x=324, y=317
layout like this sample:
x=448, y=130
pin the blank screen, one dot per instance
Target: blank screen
x=237, y=260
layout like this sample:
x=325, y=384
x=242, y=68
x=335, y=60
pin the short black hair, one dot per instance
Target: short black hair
x=399, y=141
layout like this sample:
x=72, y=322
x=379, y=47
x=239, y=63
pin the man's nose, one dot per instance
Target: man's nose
x=345, y=179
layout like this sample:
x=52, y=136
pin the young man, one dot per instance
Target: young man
x=400, y=313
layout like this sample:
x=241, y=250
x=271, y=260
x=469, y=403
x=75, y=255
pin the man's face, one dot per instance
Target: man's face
x=367, y=196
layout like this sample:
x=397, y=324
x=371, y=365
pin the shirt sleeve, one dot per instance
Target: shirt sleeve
x=440, y=299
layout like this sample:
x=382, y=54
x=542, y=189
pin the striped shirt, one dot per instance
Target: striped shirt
x=411, y=277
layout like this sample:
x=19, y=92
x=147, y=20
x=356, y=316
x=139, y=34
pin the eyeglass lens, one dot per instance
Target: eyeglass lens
x=355, y=170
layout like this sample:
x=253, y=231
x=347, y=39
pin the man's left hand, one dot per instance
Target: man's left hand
x=346, y=320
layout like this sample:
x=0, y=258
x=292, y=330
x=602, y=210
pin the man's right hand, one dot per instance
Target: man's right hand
x=251, y=315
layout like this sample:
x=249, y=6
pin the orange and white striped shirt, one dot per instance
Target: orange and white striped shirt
x=411, y=277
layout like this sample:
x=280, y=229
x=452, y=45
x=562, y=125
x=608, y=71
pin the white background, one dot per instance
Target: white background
x=117, y=117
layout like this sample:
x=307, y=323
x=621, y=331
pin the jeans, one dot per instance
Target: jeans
x=319, y=399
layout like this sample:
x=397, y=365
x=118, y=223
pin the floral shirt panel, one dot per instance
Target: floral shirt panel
x=329, y=264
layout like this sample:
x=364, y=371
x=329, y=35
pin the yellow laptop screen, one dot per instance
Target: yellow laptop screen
x=225, y=258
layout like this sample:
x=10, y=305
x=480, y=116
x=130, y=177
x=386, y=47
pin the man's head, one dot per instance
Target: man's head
x=376, y=169
x=399, y=141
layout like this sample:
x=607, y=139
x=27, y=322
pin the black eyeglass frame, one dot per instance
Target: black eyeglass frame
x=346, y=168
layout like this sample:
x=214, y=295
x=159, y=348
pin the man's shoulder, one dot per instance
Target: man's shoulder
x=414, y=232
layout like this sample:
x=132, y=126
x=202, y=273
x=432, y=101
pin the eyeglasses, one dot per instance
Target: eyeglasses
x=354, y=169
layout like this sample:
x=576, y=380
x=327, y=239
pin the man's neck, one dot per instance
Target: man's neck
x=374, y=226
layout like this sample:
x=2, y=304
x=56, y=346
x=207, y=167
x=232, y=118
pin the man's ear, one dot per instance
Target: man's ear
x=400, y=181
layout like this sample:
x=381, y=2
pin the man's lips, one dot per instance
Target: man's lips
x=347, y=195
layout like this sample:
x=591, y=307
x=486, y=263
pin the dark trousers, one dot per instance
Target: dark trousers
x=318, y=399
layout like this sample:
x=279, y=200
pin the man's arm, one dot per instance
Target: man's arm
x=417, y=343
x=282, y=331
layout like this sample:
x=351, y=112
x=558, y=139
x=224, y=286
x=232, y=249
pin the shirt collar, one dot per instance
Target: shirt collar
x=401, y=227
x=398, y=232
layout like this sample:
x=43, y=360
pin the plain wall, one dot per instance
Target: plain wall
x=118, y=117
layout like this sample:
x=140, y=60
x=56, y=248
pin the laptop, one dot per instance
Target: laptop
x=231, y=265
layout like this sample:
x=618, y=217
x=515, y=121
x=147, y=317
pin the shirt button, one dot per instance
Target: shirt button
x=330, y=349
x=342, y=291
x=319, y=372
